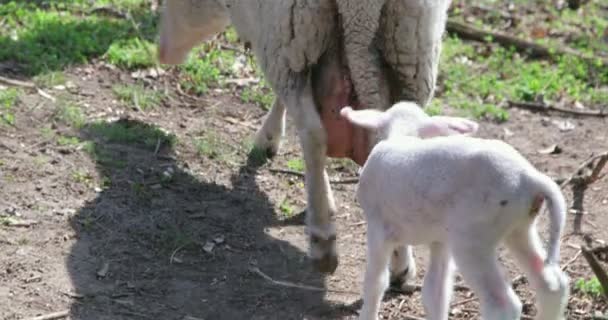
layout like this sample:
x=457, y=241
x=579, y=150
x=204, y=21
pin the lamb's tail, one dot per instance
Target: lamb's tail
x=557, y=214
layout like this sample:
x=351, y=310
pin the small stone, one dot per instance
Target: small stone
x=219, y=239
x=208, y=247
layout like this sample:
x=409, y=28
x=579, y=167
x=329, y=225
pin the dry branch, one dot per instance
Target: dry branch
x=52, y=316
x=288, y=284
x=536, y=106
x=580, y=181
x=593, y=176
x=17, y=83
x=532, y=49
x=597, y=269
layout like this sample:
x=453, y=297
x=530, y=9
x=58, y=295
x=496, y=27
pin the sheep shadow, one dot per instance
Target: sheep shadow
x=160, y=243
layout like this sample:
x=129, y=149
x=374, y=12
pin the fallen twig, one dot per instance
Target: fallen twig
x=461, y=302
x=290, y=172
x=345, y=181
x=533, y=49
x=17, y=83
x=52, y=316
x=172, y=258
x=46, y=95
x=523, y=316
x=597, y=269
x=303, y=176
x=108, y=11
x=546, y=107
x=288, y=284
x=20, y=223
x=567, y=264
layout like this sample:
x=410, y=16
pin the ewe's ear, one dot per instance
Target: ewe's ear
x=446, y=126
x=367, y=118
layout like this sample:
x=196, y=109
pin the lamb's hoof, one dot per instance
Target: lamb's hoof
x=326, y=264
x=401, y=282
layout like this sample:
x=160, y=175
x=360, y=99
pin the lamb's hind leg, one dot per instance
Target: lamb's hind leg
x=268, y=137
x=476, y=260
x=320, y=201
x=548, y=281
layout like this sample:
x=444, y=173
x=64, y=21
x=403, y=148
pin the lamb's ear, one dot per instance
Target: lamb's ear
x=446, y=126
x=367, y=118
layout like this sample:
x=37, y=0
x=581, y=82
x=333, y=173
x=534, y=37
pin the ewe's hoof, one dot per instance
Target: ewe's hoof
x=326, y=264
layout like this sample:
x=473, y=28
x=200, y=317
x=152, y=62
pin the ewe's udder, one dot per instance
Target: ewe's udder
x=343, y=140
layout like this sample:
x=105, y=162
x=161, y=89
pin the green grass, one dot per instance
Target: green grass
x=8, y=99
x=478, y=83
x=68, y=141
x=137, y=96
x=70, y=114
x=590, y=287
x=205, y=67
x=211, y=146
x=50, y=79
x=287, y=210
x=54, y=35
x=83, y=177
x=296, y=164
x=132, y=53
x=262, y=96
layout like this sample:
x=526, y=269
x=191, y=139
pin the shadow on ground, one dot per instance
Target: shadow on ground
x=143, y=248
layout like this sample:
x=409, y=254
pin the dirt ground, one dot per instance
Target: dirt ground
x=159, y=232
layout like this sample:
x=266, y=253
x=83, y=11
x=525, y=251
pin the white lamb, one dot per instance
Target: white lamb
x=462, y=196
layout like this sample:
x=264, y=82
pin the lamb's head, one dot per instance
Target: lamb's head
x=186, y=23
x=408, y=119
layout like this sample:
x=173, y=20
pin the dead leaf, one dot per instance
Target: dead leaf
x=552, y=149
x=538, y=33
x=564, y=125
x=507, y=132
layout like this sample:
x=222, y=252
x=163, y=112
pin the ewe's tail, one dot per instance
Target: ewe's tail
x=557, y=214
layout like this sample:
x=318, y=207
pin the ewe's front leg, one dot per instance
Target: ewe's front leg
x=268, y=137
x=320, y=201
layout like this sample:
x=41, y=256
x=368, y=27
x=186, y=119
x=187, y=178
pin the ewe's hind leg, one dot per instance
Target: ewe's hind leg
x=320, y=202
x=268, y=137
x=476, y=260
x=361, y=21
x=403, y=268
x=376, y=272
x=438, y=281
x=548, y=281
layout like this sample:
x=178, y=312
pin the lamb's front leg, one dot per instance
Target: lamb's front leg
x=438, y=281
x=320, y=201
x=376, y=273
x=403, y=268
